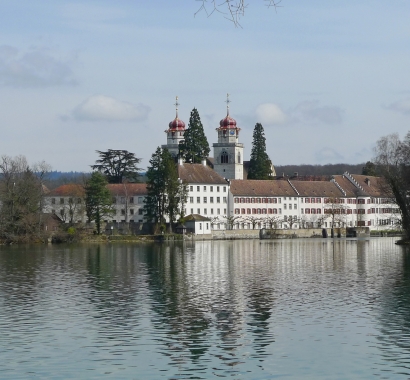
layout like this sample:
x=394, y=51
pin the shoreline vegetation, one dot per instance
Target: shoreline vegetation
x=81, y=235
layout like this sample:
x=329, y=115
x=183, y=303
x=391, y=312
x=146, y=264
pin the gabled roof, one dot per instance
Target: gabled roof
x=261, y=188
x=350, y=189
x=196, y=218
x=372, y=186
x=70, y=190
x=128, y=189
x=198, y=173
x=317, y=189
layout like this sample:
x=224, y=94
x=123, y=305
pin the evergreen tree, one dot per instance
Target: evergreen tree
x=98, y=201
x=260, y=166
x=166, y=196
x=118, y=165
x=195, y=146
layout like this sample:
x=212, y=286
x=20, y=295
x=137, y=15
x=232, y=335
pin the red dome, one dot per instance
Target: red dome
x=228, y=122
x=177, y=125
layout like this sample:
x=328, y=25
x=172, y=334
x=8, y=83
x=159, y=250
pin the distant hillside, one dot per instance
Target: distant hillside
x=56, y=178
x=318, y=170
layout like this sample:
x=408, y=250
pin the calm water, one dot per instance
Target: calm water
x=241, y=310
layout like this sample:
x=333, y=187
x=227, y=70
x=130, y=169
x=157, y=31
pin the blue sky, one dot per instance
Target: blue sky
x=326, y=79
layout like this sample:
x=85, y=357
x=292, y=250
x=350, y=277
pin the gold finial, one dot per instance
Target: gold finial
x=227, y=104
x=176, y=106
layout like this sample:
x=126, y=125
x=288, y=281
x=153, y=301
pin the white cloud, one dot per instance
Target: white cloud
x=36, y=68
x=270, y=114
x=311, y=112
x=105, y=108
x=402, y=106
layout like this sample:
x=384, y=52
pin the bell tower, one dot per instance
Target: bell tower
x=228, y=151
x=175, y=133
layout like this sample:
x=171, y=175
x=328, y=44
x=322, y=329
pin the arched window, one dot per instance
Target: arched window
x=224, y=158
x=239, y=157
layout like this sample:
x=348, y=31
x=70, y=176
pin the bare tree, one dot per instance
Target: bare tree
x=21, y=194
x=232, y=10
x=393, y=159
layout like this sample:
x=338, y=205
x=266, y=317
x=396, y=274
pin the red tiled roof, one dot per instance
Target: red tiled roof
x=261, y=188
x=198, y=173
x=372, y=186
x=73, y=190
x=317, y=189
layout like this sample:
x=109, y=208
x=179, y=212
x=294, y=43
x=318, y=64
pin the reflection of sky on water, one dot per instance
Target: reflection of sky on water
x=316, y=308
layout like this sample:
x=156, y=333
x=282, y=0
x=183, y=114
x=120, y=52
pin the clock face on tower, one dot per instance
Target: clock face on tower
x=231, y=133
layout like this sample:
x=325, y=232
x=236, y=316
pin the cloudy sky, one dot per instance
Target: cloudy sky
x=325, y=78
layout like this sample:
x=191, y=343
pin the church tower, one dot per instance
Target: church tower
x=175, y=134
x=228, y=152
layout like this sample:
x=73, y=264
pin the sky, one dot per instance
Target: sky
x=325, y=78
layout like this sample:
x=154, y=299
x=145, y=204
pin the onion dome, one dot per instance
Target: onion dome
x=177, y=125
x=228, y=123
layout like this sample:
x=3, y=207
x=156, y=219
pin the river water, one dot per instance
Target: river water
x=304, y=308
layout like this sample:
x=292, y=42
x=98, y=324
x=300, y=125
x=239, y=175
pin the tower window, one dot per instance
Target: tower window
x=224, y=158
x=239, y=158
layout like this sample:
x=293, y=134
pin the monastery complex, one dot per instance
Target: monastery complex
x=220, y=197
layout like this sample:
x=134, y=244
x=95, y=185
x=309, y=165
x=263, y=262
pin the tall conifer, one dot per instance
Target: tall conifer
x=195, y=146
x=260, y=166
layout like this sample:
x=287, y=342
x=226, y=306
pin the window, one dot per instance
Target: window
x=122, y=211
x=140, y=200
x=301, y=210
x=205, y=211
x=61, y=201
x=192, y=211
x=307, y=210
x=191, y=188
x=122, y=200
x=218, y=199
x=290, y=206
x=204, y=188
x=360, y=201
x=198, y=211
x=217, y=189
x=200, y=225
x=280, y=211
x=224, y=199
x=205, y=200
x=248, y=210
x=317, y=200
x=198, y=199
x=237, y=211
x=211, y=199
x=53, y=201
x=131, y=211
x=318, y=211
x=211, y=188
x=224, y=211
x=218, y=211
x=224, y=189
x=198, y=188
x=239, y=158
x=212, y=211
x=243, y=211
x=224, y=157
x=140, y=211
x=131, y=199
x=307, y=200
x=285, y=206
x=191, y=199
x=295, y=206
